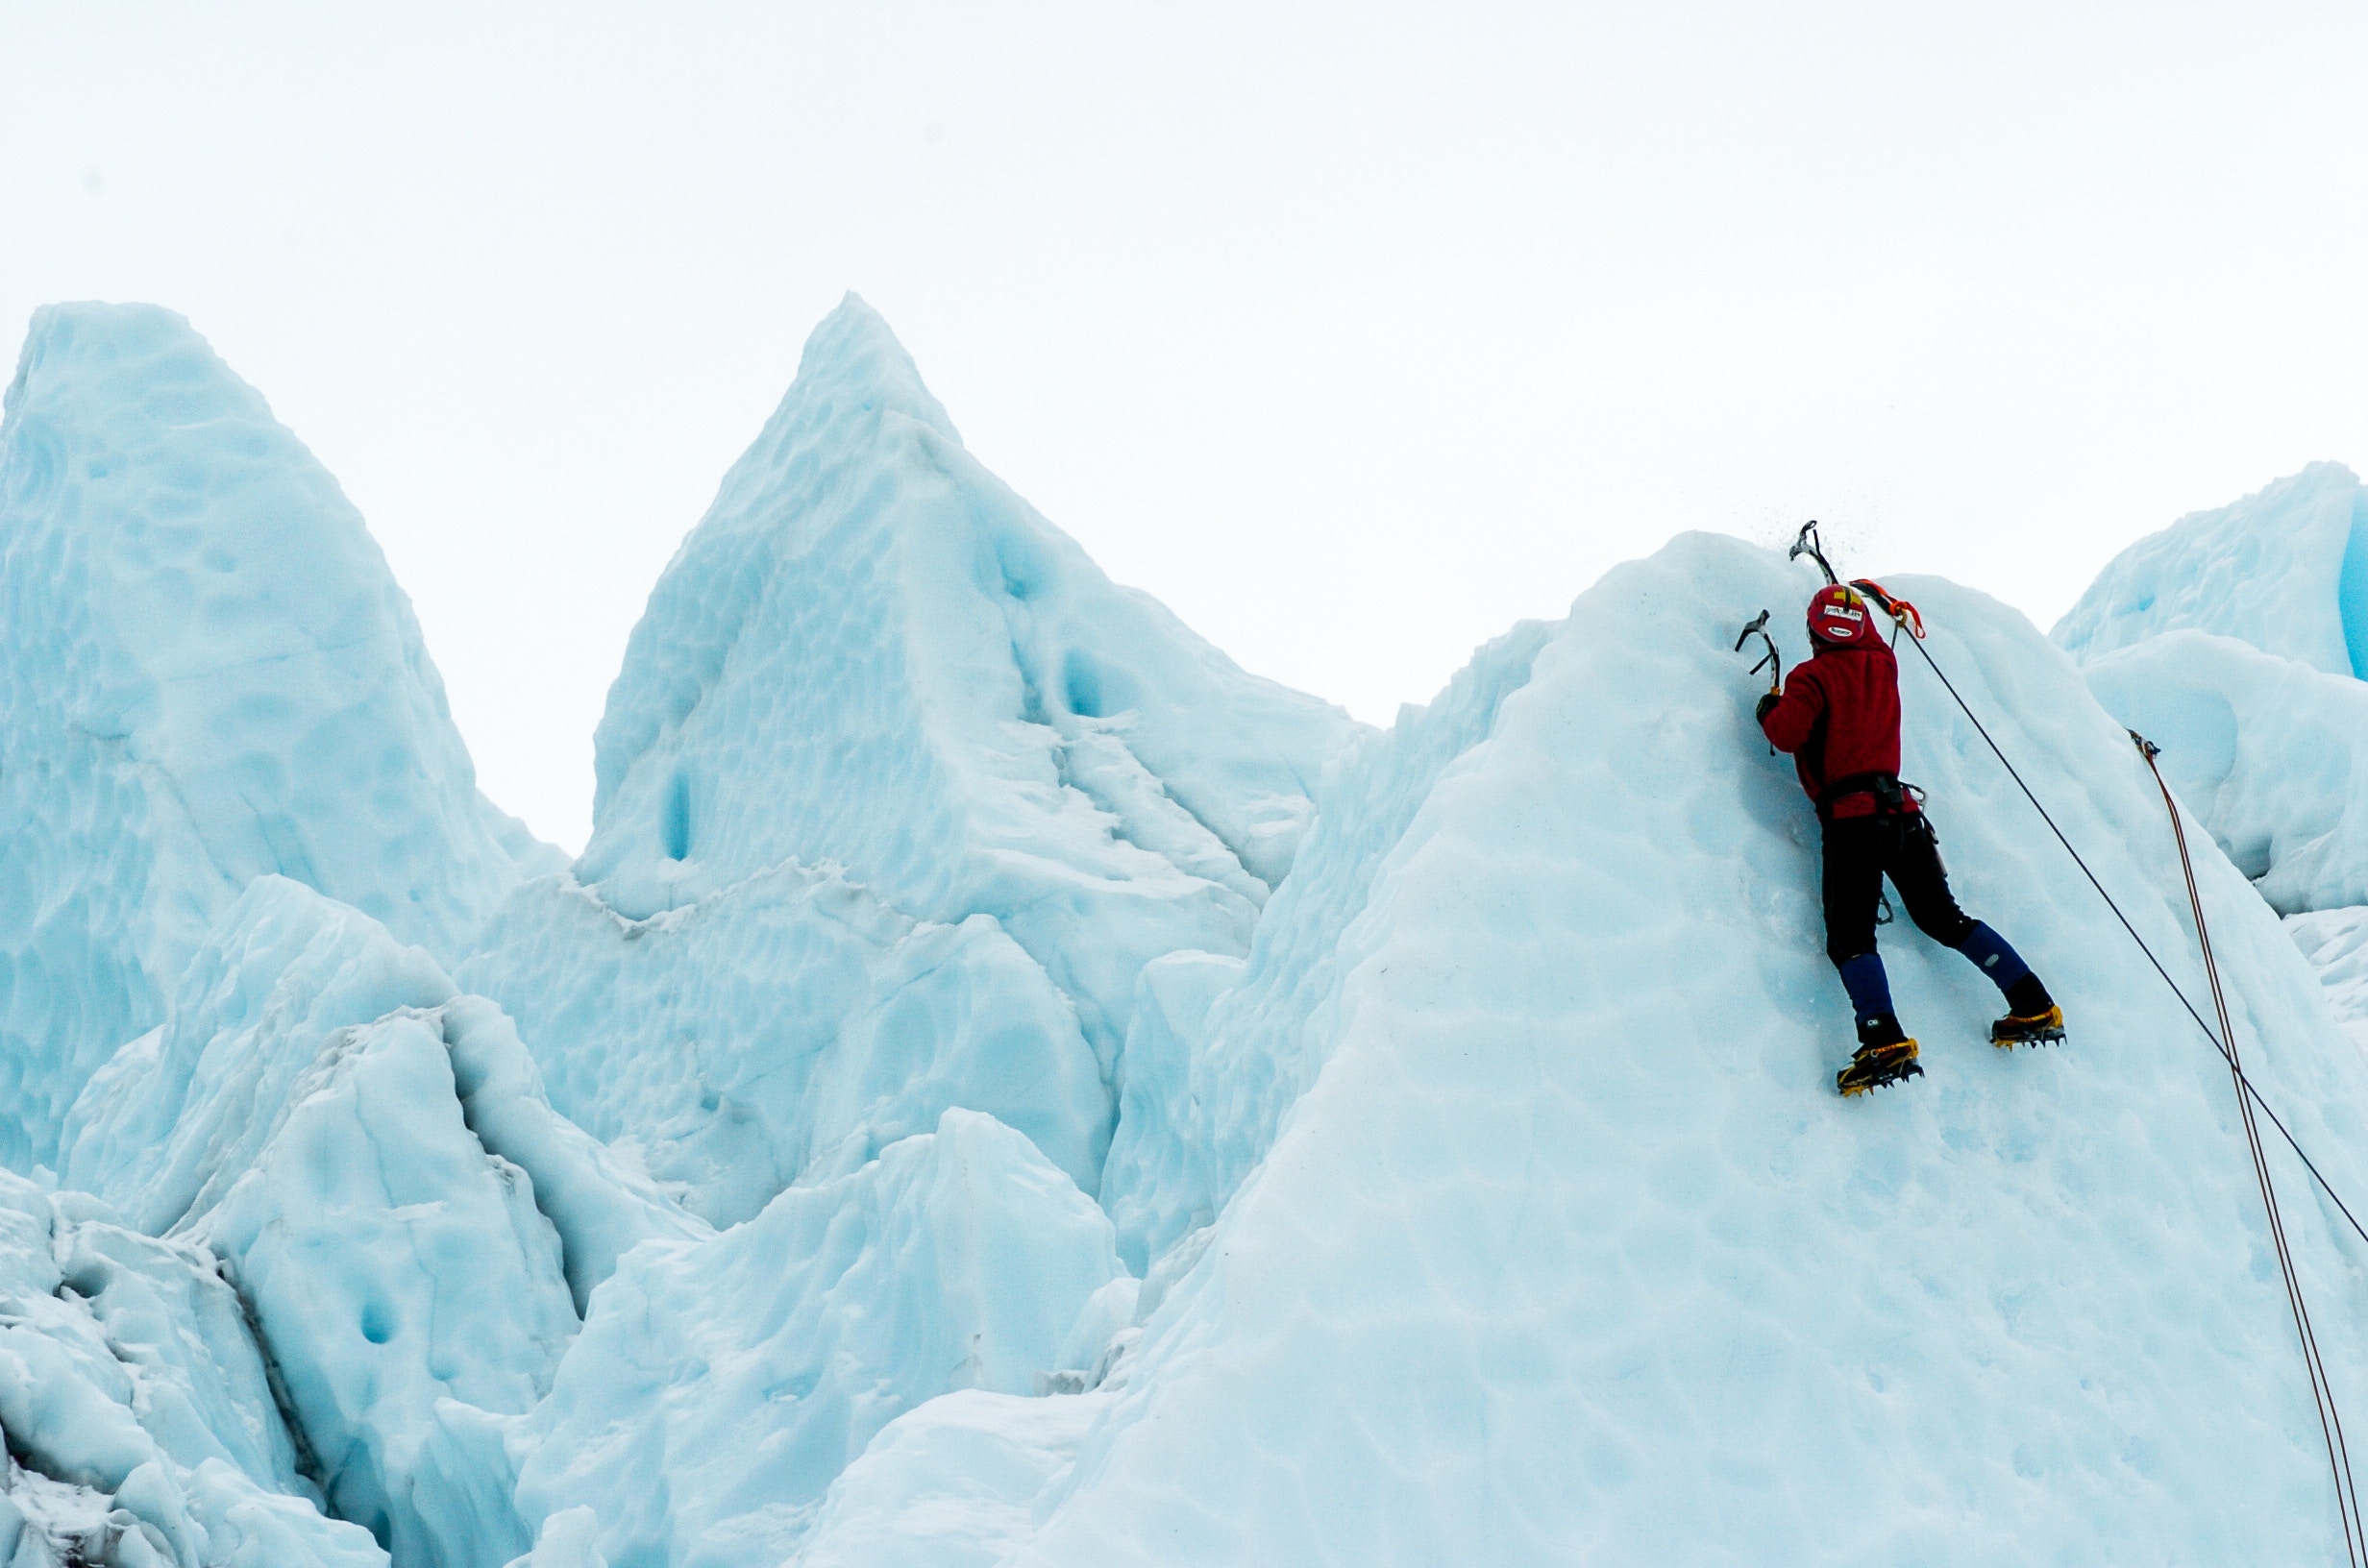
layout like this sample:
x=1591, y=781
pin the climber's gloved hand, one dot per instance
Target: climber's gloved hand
x=1767, y=701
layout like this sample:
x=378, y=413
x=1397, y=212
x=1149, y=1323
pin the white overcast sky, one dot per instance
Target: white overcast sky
x=1352, y=334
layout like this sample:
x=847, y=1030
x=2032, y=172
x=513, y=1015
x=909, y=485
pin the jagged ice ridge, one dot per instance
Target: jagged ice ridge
x=1004, y=1085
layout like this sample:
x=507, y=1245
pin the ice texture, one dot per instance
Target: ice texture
x=1155, y=1121
x=718, y=1388
x=1219, y=1053
x=951, y=1485
x=2335, y=942
x=790, y=1023
x=141, y=1428
x=2286, y=570
x=1570, y=1251
x=2270, y=754
x=870, y=654
x=206, y=674
x=411, y=1229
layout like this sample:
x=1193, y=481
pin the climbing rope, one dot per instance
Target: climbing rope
x=2322, y=1389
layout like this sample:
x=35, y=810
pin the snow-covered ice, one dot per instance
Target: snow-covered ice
x=206, y=674
x=1004, y=1087
x=1571, y=1242
x=718, y=1386
x=790, y=1022
x=2284, y=570
x=871, y=653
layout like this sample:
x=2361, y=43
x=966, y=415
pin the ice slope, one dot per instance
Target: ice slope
x=2286, y=570
x=2271, y=753
x=719, y=1387
x=411, y=1228
x=897, y=795
x=1570, y=1251
x=1219, y=1049
x=141, y=1428
x=206, y=674
x=871, y=653
x=2335, y=942
x=790, y=1024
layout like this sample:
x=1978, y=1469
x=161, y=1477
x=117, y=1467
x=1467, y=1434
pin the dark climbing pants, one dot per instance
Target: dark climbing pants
x=1860, y=851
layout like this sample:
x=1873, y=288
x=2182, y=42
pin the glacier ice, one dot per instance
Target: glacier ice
x=140, y=1423
x=871, y=653
x=790, y=1022
x=897, y=796
x=411, y=1229
x=2284, y=570
x=206, y=674
x=718, y=1386
x=1568, y=1240
x=2270, y=754
x=1209, y=1071
x=1005, y=1087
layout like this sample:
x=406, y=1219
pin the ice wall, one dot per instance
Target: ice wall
x=789, y=1026
x=141, y=1428
x=870, y=652
x=898, y=794
x=1570, y=1251
x=719, y=1387
x=2286, y=570
x=2271, y=754
x=411, y=1231
x=206, y=674
x=2233, y=640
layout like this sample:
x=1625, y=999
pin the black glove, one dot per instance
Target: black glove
x=1767, y=701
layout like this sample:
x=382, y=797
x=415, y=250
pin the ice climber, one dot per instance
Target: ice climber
x=1837, y=715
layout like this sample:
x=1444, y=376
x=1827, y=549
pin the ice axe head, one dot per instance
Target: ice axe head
x=1772, y=661
x=1807, y=543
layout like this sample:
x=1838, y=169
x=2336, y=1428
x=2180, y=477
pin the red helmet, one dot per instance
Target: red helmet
x=1840, y=617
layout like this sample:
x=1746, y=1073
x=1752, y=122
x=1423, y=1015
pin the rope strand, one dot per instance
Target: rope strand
x=2322, y=1390
x=2254, y=1093
x=2249, y=1097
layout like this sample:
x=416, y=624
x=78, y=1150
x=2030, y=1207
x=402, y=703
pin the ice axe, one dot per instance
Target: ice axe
x=1807, y=543
x=1772, y=661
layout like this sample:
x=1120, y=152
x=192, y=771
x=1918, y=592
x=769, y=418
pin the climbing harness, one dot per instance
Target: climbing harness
x=2249, y=1097
x=2322, y=1390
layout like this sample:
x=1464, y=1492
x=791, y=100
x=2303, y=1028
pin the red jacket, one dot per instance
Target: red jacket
x=1840, y=716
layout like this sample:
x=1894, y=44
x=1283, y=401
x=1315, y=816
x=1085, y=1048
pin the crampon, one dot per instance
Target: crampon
x=1875, y=1066
x=2033, y=1029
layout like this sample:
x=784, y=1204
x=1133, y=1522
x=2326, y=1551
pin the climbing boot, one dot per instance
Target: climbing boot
x=2042, y=1028
x=1875, y=1066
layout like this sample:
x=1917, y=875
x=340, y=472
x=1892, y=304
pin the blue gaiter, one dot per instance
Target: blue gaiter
x=1991, y=955
x=1869, y=988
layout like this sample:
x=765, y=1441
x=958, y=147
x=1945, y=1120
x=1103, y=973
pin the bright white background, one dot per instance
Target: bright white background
x=1352, y=334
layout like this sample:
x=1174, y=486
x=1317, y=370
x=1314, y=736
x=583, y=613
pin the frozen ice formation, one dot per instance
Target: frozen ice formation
x=1003, y=1088
x=790, y=1024
x=141, y=1428
x=2286, y=570
x=411, y=1230
x=2233, y=640
x=2270, y=754
x=871, y=653
x=206, y=674
x=718, y=1386
x=1221, y=1050
x=898, y=794
x=1567, y=1251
